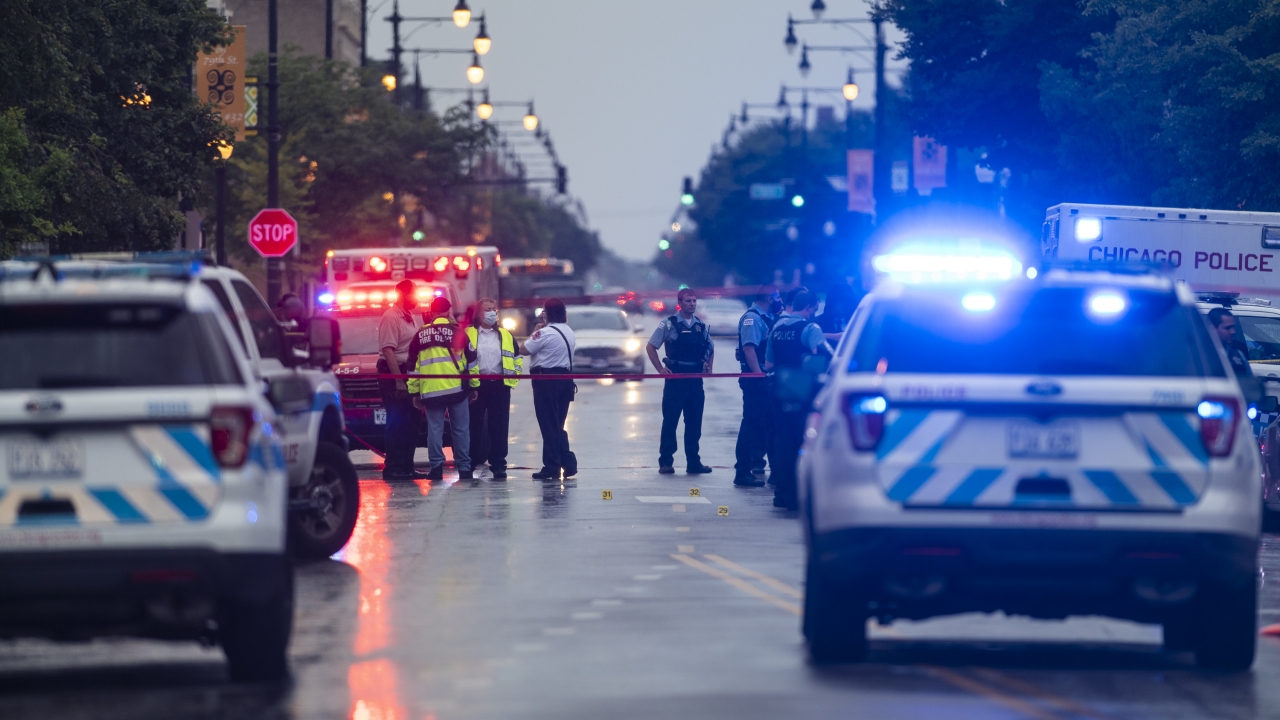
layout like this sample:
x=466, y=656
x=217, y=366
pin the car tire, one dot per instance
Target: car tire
x=255, y=635
x=833, y=625
x=1227, y=634
x=316, y=533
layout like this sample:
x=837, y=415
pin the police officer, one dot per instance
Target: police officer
x=440, y=348
x=689, y=350
x=794, y=336
x=491, y=410
x=1227, y=326
x=396, y=331
x=551, y=347
x=753, y=434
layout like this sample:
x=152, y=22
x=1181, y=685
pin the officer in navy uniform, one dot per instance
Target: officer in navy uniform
x=794, y=336
x=753, y=434
x=689, y=350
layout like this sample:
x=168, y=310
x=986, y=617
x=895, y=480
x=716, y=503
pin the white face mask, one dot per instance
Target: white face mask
x=491, y=317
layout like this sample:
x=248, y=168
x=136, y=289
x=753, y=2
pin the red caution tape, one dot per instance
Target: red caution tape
x=1270, y=630
x=565, y=376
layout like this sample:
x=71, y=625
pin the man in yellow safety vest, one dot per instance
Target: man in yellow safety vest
x=491, y=410
x=440, y=349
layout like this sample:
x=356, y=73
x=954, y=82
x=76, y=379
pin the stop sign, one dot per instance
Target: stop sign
x=273, y=232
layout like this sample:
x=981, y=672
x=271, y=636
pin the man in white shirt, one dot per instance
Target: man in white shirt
x=551, y=347
x=396, y=330
x=491, y=402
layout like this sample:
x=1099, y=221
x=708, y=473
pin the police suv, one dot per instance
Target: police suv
x=143, y=490
x=1046, y=443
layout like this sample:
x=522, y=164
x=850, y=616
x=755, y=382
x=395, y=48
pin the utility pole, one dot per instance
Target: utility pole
x=274, y=270
x=880, y=185
x=328, y=29
x=364, y=32
x=396, y=49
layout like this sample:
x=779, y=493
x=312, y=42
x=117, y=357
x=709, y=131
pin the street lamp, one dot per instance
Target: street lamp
x=531, y=120
x=220, y=203
x=389, y=82
x=791, y=40
x=818, y=7
x=461, y=14
x=850, y=88
x=482, y=43
x=485, y=109
x=475, y=73
x=804, y=62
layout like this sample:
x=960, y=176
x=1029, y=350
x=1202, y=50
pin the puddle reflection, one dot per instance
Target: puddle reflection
x=373, y=683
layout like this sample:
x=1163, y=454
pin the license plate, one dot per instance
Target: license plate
x=600, y=363
x=380, y=416
x=35, y=459
x=1060, y=440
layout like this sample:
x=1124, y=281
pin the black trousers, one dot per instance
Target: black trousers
x=490, y=419
x=402, y=426
x=551, y=400
x=683, y=396
x=754, y=434
x=788, y=437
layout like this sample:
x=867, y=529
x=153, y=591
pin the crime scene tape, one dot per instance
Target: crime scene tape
x=564, y=376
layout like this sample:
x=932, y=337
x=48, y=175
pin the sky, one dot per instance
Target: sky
x=633, y=92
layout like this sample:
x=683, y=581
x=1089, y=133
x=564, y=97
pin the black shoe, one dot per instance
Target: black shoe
x=698, y=470
x=466, y=475
x=789, y=503
x=499, y=476
x=437, y=473
x=570, y=473
x=666, y=470
x=397, y=477
x=546, y=474
x=748, y=481
x=418, y=475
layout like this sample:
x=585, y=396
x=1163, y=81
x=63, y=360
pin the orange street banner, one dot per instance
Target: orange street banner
x=220, y=80
x=861, y=175
x=930, y=160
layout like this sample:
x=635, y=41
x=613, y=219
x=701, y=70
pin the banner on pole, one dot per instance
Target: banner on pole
x=220, y=81
x=861, y=181
x=930, y=160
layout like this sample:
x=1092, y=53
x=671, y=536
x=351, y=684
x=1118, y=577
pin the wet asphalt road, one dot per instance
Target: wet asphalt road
x=522, y=600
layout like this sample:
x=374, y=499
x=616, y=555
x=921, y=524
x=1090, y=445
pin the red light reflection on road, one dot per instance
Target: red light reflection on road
x=373, y=682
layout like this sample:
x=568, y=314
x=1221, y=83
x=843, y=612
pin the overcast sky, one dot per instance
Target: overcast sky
x=633, y=92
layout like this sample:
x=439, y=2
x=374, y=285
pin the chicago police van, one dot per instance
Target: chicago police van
x=144, y=490
x=1043, y=442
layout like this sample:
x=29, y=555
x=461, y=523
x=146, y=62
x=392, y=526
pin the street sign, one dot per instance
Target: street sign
x=273, y=232
x=767, y=191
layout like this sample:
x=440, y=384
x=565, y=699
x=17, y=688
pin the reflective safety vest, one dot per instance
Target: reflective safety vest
x=512, y=364
x=437, y=356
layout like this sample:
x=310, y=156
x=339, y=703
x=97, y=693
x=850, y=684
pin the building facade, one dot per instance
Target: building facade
x=302, y=23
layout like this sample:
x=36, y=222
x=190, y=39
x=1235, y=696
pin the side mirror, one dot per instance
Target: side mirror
x=325, y=341
x=289, y=394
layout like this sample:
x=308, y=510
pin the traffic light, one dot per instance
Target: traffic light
x=686, y=198
x=419, y=236
x=562, y=179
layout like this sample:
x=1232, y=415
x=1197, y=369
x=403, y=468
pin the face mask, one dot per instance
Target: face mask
x=491, y=317
x=775, y=306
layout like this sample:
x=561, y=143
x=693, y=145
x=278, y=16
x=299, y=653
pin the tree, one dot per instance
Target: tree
x=109, y=136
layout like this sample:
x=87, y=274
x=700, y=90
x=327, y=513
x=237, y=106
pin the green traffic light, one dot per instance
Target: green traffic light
x=663, y=244
x=419, y=236
x=797, y=201
x=686, y=199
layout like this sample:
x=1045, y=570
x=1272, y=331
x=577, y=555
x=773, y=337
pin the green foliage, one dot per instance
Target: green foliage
x=526, y=225
x=751, y=238
x=1108, y=101
x=84, y=168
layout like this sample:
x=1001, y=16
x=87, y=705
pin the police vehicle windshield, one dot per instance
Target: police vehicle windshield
x=596, y=319
x=1038, y=331
x=112, y=345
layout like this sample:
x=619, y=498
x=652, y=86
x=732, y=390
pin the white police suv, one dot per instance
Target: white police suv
x=143, y=489
x=1069, y=443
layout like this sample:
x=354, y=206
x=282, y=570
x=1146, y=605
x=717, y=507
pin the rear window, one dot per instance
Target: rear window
x=110, y=346
x=1037, y=331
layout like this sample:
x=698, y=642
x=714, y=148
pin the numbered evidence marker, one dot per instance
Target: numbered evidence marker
x=695, y=492
x=606, y=495
x=723, y=511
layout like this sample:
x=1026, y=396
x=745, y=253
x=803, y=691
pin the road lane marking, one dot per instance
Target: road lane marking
x=607, y=602
x=1027, y=688
x=966, y=683
x=587, y=616
x=683, y=529
x=684, y=548
x=771, y=582
x=646, y=577
x=678, y=508
x=557, y=631
x=672, y=500
x=739, y=583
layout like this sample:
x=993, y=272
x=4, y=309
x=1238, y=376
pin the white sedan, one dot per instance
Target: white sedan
x=721, y=314
x=608, y=342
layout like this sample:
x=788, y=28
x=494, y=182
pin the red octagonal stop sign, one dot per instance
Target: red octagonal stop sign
x=273, y=232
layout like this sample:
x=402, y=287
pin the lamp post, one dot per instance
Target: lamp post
x=220, y=203
x=275, y=269
x=461, y=17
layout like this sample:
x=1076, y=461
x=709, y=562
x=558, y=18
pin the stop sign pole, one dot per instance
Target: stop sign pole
x=274, y=269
